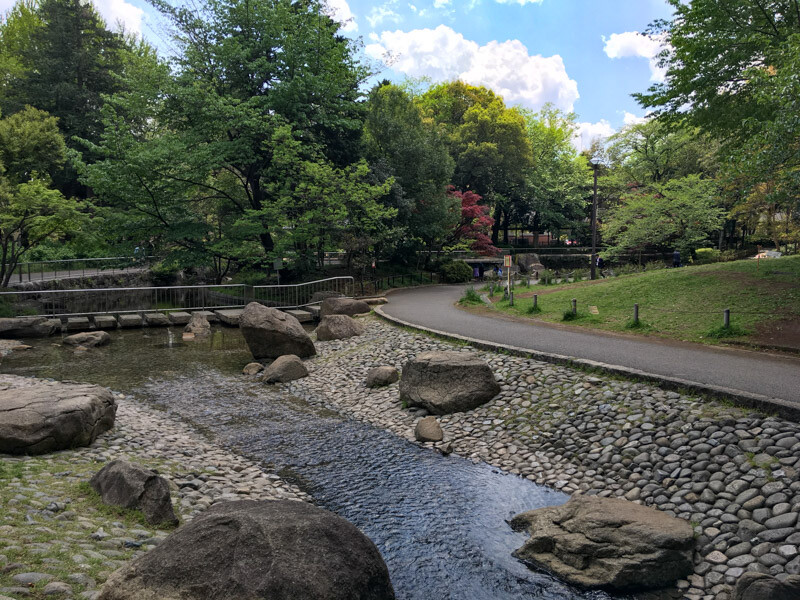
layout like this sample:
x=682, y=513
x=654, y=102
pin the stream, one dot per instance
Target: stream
x=439, y=522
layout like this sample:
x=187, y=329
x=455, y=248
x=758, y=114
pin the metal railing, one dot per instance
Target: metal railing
x=49, y=270
x=66, y=303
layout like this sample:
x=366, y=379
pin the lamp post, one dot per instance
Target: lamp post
x=595, y=160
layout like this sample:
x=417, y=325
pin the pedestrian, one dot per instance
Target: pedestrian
x=676, y=259
x=481, y=271
x=499, y=271
x=600, y=266
x=476, y=272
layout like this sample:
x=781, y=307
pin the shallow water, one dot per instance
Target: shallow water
x=439, y=522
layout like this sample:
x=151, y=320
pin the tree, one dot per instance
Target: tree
x=31, y=148
x=557, y=180
x=400, y=144
x=680, y=213
x=475, y=223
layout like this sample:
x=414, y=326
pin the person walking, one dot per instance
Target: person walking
x=676, y=259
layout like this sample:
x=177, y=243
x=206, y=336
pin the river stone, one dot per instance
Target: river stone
x=338, y=327
x=607, y=543
x=198, y=325
x=88, y=339
x=284, y=369
x=759, y=586
x=428, y=430
x=276, y=550
x=26, y=327
x=252, y=368
x=447, y=382
x=8, y=346
x=43, y=416
x=381, y=376
x=271, y=333
x=125, y=484
x=343, y=306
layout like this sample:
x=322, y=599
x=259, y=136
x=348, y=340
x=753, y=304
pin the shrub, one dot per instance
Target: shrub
x=547, y=277
x=704, y=256
x=569, y=315
x=470, y=297
x=456, y=272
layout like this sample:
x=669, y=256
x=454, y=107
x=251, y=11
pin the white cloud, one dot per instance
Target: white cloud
x=506, y=68
x=379, y=14
x=520, y=2
x=632, y=119
x=119, y=11
x=586, y=133
x=635, y=44
x=441, y=3
x=339, y=11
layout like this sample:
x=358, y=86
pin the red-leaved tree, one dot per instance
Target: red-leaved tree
x=475, y=223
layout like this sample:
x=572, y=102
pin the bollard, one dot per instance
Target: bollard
x=491, y=289
x=511, y=299
x=726, y=318
x=574, y=306
x=535, y=301
x=635, y=314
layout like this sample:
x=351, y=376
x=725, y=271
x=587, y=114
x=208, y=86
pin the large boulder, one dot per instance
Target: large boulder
x=338, y=327
x=447, y=382
x=88, y=339
x=759, y=586
x=284, y=369
x=276, y=550
x=381, y=376
x=27, y=327
x=343, y=306
x=607, y=543
x=121, y=483
x=271, y=333
x=41, y=416
x=198, y=325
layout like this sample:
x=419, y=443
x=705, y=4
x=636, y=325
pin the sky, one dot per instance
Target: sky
x=586, y=56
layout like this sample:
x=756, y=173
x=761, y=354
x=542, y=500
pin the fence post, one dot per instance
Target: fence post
x=511, y=299
x=574, y=306
x=535, y=301
x=726, y=318
x=635, y=314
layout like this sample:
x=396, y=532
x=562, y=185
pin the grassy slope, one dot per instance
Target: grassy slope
x=684, y=304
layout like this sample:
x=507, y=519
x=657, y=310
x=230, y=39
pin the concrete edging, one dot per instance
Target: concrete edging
x=765, y=404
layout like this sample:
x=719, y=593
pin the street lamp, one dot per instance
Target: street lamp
x=595, y=160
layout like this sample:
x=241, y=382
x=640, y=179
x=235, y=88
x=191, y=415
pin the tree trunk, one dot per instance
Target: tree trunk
x=496, y=224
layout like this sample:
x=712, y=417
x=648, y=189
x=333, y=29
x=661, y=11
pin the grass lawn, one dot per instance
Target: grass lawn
x=683, y=304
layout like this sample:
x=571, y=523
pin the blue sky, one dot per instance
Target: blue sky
x=581, y=55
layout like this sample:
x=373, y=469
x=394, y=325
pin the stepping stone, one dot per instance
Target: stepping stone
x=78, y=324
x=130, y=320
x=229, y=316
x=156, y=319
x=105, y=322
x=313, y=310
x=179, y=318
x=301, y=315
x=210, y=316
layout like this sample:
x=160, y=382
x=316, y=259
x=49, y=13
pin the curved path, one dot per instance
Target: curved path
x=751, y=374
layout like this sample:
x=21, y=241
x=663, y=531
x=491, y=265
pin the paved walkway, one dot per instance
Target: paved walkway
x=761, y=374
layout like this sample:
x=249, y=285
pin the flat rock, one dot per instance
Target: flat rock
x=271, y=333
x=88, y=339
x=129, y=320
x=338, y=327
x=210, y=316
x=125, y=484
x=229, y=316
x=607, y=543
x=284, y=369
x=39, y=416
x=276, y=550
x=303, y=316
x=7, y=346
x=198, y=324
x=156, y=319
x=179, y=317
x=343, y=306
x=105, y=322
x=381, y=376
x=759, y=586
x=252, y=368
x=77, y=324
x=447, y=382
x=428, y=430
x=26, y=327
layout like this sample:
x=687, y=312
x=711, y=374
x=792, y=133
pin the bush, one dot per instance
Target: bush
x=470, y=297
x=547, y=277
x=456, y=272
x=569, y=315
x=704, y=256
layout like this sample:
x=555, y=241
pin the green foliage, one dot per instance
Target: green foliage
x=726, y=332
x=455, y=271
x=569, y=316
x=706, y=255
x=470, y=297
